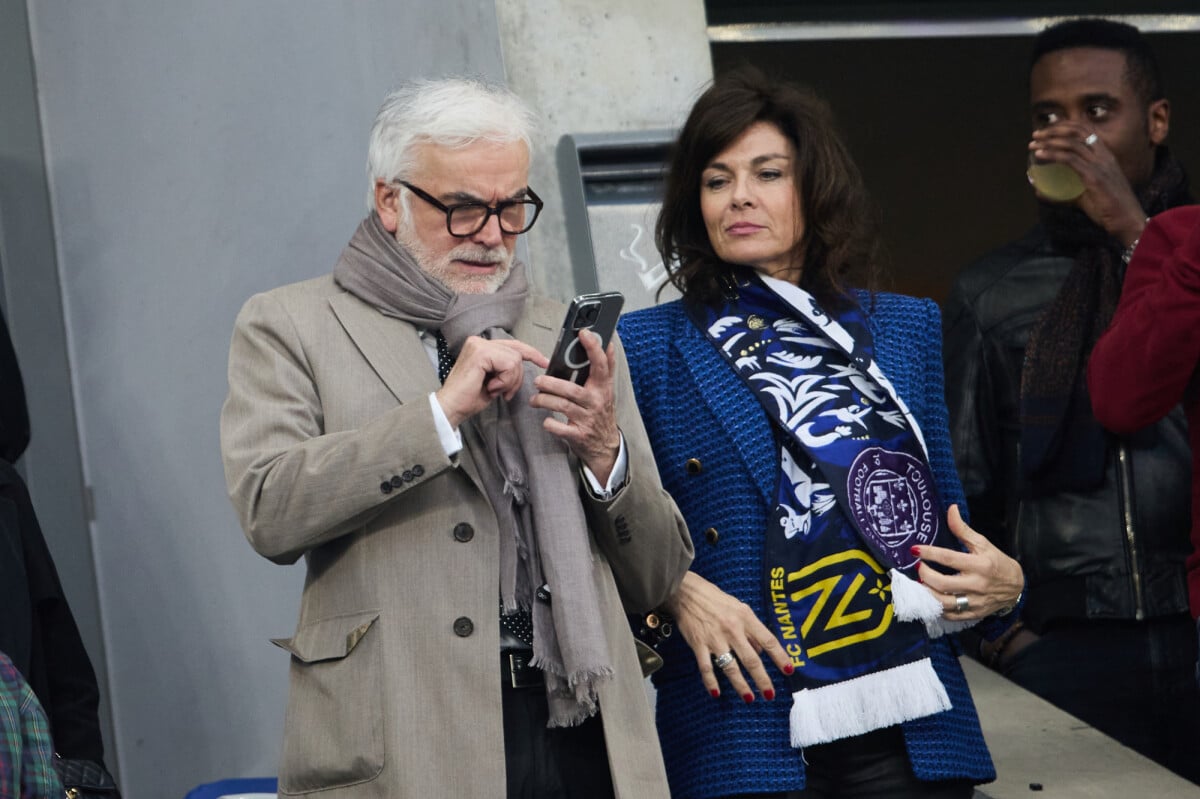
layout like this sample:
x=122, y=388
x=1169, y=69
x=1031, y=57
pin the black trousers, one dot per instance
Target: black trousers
x=870, y=766
x=559, y=763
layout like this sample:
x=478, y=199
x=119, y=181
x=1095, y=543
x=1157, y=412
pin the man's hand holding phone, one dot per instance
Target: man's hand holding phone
x=596, y=312
x=590, y=426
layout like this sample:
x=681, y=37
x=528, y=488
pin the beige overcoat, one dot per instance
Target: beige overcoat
x=331, y=453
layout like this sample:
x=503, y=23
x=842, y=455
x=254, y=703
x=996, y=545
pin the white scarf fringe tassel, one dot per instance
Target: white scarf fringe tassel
x=870, y=702
x=913, y=602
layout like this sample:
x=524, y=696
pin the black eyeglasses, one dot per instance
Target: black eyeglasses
x=467, y=219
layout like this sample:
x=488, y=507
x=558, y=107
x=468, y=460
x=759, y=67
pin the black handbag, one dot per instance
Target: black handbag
x=85, y=779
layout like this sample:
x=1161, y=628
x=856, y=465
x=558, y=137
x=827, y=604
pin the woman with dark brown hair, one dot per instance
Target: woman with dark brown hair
x=800, y=425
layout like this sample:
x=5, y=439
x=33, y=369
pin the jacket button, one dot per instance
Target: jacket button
x=418, y=470
x=463, y=626
x=407, y=476
x=396, y=481
x=385, y=487
x=711, y=535
x=463, y=532
x=693, y=466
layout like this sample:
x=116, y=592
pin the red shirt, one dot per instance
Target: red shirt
x=1148, y=360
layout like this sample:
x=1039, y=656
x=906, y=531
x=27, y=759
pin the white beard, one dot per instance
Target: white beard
x=443, y=270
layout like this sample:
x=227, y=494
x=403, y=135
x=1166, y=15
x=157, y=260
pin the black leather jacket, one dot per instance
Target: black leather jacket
x=1117, y=552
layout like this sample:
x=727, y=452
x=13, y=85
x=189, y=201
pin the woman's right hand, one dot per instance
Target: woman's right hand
x=990, y=580
x=713, y=623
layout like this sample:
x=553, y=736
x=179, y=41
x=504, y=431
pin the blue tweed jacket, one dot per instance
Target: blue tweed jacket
x=695, y=406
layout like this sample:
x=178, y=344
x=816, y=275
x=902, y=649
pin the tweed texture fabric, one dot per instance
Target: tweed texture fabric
x=695, y=407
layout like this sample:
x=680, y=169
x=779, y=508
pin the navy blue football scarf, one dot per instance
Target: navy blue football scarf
x=854, y=491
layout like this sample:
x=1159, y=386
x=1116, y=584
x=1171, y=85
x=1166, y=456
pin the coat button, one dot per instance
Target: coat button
x=693, y=466
x=463, y=626
x=418, y=470
x=385, y=487
x=408, y=475
x=463, y=532
x=711, y=535
x=396, y=481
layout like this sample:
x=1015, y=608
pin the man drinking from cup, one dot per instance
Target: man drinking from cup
x=1099, y=522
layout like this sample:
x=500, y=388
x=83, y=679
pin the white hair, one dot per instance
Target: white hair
x=449, y=112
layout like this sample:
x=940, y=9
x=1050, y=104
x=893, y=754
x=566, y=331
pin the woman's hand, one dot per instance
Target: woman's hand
x=989, y=580
x=714, y=623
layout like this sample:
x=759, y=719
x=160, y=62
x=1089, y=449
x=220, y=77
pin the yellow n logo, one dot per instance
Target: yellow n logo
x=864, y=614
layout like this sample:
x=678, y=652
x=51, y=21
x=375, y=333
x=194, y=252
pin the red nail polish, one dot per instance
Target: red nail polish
x=769, y=694
x=715, y=693
x=789, y=668
x=916, y=552
x=747, y=698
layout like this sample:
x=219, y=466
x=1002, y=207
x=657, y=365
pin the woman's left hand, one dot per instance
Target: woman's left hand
x=989, y=580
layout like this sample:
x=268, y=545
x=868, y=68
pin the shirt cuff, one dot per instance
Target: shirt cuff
x=616, y=480
x=451, y=439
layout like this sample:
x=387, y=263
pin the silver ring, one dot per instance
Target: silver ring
x=961, y=604
x=721, y=661
x=1091, y=139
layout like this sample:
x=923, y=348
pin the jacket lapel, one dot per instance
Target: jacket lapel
x=394, y=350
x=734, y=407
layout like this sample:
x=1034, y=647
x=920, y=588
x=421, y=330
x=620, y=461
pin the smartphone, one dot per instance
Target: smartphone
x=596, y=312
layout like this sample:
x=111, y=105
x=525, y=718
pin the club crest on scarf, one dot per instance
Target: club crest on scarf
x=854, y=493
x=893, y=502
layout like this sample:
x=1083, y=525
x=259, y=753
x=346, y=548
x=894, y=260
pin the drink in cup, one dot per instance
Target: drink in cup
x=1056, y=182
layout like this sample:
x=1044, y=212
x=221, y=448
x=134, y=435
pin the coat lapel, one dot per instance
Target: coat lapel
x=394, y=350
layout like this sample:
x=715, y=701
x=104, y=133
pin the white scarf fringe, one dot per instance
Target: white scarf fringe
x=913, y=602
x=936, y=628
x=870, y=702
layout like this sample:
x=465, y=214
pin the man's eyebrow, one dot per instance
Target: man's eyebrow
x=1088, y=99
x=466, y=197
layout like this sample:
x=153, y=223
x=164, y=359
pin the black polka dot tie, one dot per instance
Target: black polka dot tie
x=519, y=624
x=445, y=359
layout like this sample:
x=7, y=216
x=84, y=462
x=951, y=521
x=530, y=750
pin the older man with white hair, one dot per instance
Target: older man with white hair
x=390, y=422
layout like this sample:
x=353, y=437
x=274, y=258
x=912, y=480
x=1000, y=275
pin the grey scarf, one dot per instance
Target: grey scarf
x=527, y=473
